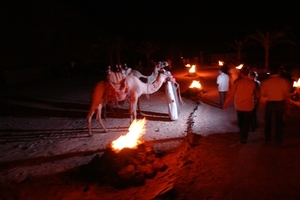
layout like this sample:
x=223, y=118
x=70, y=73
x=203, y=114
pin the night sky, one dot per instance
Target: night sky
x=190, y=21
x=196, y=25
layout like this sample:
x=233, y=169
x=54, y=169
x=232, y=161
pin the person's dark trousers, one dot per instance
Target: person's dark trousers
x=254, y=119
x=222, y=98
x=244, y=121
x=274, y=108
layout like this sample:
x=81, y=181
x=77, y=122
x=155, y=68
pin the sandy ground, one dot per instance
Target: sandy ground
x=44, y=144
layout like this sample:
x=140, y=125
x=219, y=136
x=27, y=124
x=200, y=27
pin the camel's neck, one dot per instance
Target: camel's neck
x=151, y=88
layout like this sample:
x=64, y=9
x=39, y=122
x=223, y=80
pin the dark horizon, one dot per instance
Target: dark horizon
x=45, y=29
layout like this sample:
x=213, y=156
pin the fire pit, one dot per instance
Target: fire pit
x=296, y=91
x=127, y=161
x=192, y=70
x=194, y=90
x=239, y=66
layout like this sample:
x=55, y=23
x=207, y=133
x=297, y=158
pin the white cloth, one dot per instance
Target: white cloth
x=170, y=96
x=223, y=82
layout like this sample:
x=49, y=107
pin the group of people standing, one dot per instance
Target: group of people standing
x=247, y=91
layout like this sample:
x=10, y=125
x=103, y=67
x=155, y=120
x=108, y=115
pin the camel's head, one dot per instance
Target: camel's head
x=160, y=65
x=163, y=64
x=126, y=71
x=165, y=73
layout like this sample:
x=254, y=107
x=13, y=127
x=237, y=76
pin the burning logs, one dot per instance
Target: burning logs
x=128, y=167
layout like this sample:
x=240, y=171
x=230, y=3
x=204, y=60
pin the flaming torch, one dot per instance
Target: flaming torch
x=194, y=90
x=195, y=84
x=296, y=85
x=132, y=139
x=240, y=66
x=192, y=70
x=221, y=63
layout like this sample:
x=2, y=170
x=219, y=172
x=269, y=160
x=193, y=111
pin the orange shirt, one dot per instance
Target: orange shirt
x=244, y=91
x=275, y=88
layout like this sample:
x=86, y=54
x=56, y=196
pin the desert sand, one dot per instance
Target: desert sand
x=44, y=144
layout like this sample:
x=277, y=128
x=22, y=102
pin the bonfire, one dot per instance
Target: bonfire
x=195, y=84
x=132, y=139
x=296, y=95
x=128, y=160
x=239, y=66
x=192, y=69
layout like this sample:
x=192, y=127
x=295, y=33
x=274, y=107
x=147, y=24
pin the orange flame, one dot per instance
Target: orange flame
x=195, y=84
x=187, y=65
x=221, y=63
x=297, y=84
x=192, y=69
x=240, y=66
x=133, y=138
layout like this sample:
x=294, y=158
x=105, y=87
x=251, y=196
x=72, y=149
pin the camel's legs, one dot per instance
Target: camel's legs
x=89, y=120
x=133, y=106
x=139, y=107
x=99, y=117
x=89, y=117
x=104, y=114
x=109, y=104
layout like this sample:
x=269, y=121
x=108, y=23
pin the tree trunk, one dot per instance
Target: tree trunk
x=267, y=59
x=119, y=58
x=148, y=60
x=239, y=57
x=111, y=60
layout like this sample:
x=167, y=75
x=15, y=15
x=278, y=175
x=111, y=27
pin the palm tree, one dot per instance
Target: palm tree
x=148, y=48
x=268, y=40
x=238, y=46
x=105, y=45
x=119, y=45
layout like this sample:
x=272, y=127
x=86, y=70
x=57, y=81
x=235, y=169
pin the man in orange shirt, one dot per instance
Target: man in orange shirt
x=243, y=90
x=276, y=90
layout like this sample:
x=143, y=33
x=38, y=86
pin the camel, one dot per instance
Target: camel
x=130, y=85
x=115, y=77
x=135, y=87
x=102, y=92
x=150, y=79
